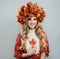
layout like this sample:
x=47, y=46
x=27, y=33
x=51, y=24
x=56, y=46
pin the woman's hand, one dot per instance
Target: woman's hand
x=32, y=51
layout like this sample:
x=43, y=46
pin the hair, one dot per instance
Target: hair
x=28, y=10
x=38, y=30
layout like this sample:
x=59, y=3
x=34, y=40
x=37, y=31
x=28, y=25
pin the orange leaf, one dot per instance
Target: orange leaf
x=32, y=42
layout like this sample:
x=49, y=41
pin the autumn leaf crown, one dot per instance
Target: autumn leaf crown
x=30, y=10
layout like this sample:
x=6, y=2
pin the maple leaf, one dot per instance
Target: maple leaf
x=32, y=42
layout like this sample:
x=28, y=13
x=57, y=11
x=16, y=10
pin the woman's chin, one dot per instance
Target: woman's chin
x=32, y=27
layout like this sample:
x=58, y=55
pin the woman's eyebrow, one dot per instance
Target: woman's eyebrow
x=28, y=18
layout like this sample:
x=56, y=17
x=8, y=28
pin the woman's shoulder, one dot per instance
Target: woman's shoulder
x=19, y=36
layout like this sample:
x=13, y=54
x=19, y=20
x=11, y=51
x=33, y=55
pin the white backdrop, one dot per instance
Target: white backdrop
x=9, y=28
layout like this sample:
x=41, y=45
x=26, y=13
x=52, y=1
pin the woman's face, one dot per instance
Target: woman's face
x=32, y=22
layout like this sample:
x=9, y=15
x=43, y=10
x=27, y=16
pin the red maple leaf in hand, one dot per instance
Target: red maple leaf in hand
x=32, y=42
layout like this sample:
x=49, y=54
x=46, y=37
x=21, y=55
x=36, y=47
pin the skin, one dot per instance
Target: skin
x=32, y=22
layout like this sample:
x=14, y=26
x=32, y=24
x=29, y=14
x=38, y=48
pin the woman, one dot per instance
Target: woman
x=32, y=43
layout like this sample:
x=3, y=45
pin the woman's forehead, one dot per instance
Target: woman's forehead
x=31, y=18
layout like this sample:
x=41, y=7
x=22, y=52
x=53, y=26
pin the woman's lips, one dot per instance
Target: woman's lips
x=32, y=24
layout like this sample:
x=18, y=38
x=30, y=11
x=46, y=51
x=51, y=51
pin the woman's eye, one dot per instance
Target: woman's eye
x=35, y=19
x=28, y=19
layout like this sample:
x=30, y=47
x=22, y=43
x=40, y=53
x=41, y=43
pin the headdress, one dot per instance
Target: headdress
x=30, y=10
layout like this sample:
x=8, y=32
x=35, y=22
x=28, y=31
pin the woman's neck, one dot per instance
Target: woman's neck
x=32, y=30
x=31, y=33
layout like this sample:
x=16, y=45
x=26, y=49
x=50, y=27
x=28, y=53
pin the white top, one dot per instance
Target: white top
x=32, y=37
